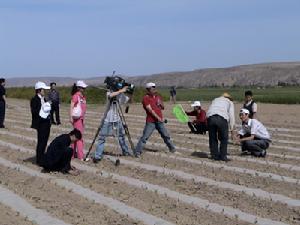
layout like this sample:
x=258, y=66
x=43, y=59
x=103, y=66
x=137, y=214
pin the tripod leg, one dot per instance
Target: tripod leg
x=98, y=130
x=122, y=117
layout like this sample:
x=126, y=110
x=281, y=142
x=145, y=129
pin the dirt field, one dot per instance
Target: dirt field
x=160, y=188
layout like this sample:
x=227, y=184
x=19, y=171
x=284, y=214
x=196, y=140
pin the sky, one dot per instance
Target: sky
x=89, y=38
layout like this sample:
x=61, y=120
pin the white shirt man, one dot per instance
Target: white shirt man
x=254, y=137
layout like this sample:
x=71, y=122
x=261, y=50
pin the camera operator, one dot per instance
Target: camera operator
x=112, y=123
x=153, y=106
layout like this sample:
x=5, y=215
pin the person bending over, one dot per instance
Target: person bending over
x=153, y=106
x=59, y=153
x=199, y=125
x=253, y=136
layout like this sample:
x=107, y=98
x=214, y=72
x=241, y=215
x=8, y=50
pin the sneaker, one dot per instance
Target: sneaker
x=96, y=160
x=126, y=154
x=263, y=153
x=225, y=159
x=173, y=150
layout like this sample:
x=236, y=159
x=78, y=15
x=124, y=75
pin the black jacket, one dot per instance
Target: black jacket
x=35, y=105
x=56, y=149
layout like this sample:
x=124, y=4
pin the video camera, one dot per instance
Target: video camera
x=116, y=83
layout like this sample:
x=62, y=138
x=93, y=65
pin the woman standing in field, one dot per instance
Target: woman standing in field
x=77, y=115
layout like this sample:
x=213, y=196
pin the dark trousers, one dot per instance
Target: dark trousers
x=43, y=132
x=255, y=146
x=218, y=131
x=198, y=128
x=2, y=113
x=63, y=164
x=55, y=109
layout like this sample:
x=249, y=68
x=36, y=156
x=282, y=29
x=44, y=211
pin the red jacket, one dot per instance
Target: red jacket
x=200, y=116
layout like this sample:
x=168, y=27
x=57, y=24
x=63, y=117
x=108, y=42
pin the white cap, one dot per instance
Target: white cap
x=149, y=85
x=81, y=83
x=45, y=110
x=196, y=103
x=41, y=85
x=244, y=111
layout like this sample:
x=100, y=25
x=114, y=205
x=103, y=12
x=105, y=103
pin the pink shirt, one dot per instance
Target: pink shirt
x=77, y=97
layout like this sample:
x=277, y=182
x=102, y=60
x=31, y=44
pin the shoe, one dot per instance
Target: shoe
x=137, y=155
x=263, y=153
x=173, y=150
x=225, y=159
x=216, y=158
x=96, y=160
x=126, y=154
x=59, y=123
x=53, y=123
x=2, y=126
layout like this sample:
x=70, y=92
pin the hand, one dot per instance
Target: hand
x=160, y=119
x=124, y=89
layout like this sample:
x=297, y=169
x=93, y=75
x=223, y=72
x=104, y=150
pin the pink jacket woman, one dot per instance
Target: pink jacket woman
x=78, y=98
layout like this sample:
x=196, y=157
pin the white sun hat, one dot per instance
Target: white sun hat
x=41, y=85
x=45, y=110
x=149, y=85
x=196, y=103
x=81, y=83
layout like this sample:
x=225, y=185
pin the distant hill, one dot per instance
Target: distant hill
x=266, y=74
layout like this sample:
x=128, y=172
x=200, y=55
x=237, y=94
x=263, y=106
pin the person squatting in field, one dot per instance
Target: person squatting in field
x=112, y=123
x=153, y=105
x=253, y=136
x=199, y=125
x=59, y=153
x=78, y=99
x=40, y=112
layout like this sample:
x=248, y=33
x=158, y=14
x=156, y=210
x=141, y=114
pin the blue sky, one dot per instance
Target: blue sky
x=85, y=38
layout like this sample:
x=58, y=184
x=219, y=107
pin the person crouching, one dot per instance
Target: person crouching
x=59, y=153
x=253, y=136
x=199, y=125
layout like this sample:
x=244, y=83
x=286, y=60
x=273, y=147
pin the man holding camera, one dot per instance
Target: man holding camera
x=112, y=125
x=153, y=106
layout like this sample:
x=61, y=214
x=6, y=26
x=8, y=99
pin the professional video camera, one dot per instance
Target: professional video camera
x=116, y=83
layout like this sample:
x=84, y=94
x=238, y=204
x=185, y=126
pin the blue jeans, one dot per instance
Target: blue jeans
x=107, y=130
x=148, y=130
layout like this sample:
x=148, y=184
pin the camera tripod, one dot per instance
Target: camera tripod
x=117, y=111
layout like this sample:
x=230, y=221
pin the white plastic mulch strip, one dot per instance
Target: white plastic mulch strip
x=229, y=168
x=16, y=203
x=199, y=202
x=116, y=205
x=224, y=185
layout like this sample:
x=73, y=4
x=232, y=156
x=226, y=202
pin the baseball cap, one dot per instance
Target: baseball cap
x=244, y=111
x=149, y=85
x=45, y=110
x=81, y=83
x=196, y=103
x=41, y=85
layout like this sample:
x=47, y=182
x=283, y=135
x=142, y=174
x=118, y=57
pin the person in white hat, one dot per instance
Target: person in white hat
x=153, y=106
x=77, y=115
x=253, y=136
x=40, y=111
x=199, y=125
